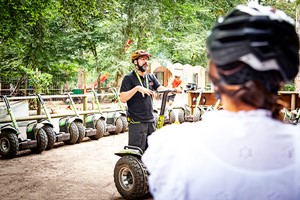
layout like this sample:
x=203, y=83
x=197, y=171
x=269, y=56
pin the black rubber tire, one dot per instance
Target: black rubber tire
x=180, y=116
x=81, y=131
x=100, y=127
x=197, y=115
x=42, y=141
x=119, y=126
x=74, y=134
x=172, y=117
x=131, y=177
x=9, y=144
x=124, y=124
x=50, y=136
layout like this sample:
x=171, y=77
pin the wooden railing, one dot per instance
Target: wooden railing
x=40, y=115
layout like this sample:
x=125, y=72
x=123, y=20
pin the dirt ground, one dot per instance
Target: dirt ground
x=73, y=172
x=67, y=172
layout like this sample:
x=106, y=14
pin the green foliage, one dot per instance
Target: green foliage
x=39, y=81
x=57, y=37
x=289, y=87
x=285, y=5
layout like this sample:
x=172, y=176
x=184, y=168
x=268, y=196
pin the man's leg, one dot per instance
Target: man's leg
x=151, y=129
x=138, y=135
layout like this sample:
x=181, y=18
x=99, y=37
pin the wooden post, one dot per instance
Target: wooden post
x=84, y=82
x=297, y=79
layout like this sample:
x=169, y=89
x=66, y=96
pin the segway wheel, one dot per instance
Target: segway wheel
x=50, y=136
x=124, y=123
x=9, y=144
x=42, y=141
x=197, y=115
x=100, y=126
x=155, y=119
x=81, y=131
x=180, y=116
x=131, y=177
x=74, y=134
x=172, y=117
x=119, y=126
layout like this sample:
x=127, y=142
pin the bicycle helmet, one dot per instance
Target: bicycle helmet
x=135, y=55
x=262, y=38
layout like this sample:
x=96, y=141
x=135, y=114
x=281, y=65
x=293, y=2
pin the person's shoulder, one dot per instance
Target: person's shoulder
x=151, y=76
x=129, y=75
x=132, y=73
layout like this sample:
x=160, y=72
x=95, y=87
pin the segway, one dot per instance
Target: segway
x=130, y=174
x=169, y=115
x=11, y=143
x=95, y=121
x=52, y=135
x=122, y=112
x=83, y=132
x=291, y=117
x=70, y=125
x=185, y=114
x=113, y=121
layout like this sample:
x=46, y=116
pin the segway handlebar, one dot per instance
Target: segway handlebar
x=194, y=90
x=6, y=102
x=165, y=93
x=40, y=98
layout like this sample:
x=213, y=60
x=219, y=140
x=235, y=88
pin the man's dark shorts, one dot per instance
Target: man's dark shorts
x=139, y=132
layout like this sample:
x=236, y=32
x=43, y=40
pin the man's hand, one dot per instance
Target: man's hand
x=144, y=91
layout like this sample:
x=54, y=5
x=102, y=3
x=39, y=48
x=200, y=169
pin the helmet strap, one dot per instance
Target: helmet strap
x=140, y=68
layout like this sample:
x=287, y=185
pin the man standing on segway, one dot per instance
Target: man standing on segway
x=137, y=90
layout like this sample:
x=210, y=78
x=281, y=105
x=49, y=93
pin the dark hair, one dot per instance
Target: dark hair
x=254, y=93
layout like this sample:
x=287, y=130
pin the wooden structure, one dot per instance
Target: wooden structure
x=291, y=98
x=208, y=95
x=166, y=71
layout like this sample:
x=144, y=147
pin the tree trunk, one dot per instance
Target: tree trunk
x=79, y=82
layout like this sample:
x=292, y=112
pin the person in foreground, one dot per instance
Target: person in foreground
x=243, y=152
x=137, y=90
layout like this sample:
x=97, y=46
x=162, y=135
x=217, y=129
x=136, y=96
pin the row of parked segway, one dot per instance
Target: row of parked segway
x=41, y=134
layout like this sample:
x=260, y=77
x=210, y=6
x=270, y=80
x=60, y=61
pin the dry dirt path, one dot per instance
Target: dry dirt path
x=68, y=172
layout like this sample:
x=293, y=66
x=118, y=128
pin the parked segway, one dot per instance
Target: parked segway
x=169, y=116
x=69, y=125
x=11, y=143
x=48, y=127
x=185, y=114
x=122, y=112
x=215, y=107
x=291, y=117
x=91, y=131
x=92, y=122
x=130, y=174
x=114, y=123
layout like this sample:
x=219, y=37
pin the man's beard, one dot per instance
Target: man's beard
x=142, y=68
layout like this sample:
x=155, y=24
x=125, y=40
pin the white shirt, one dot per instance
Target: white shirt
x=226, y=156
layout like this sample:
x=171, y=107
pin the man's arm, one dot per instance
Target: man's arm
x=125, y=96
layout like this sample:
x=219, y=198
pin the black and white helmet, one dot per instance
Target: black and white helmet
x=262, y=37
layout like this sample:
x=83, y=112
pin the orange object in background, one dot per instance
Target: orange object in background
x=103, y=77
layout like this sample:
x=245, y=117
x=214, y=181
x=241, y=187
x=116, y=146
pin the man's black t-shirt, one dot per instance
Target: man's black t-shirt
x=140, y=108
